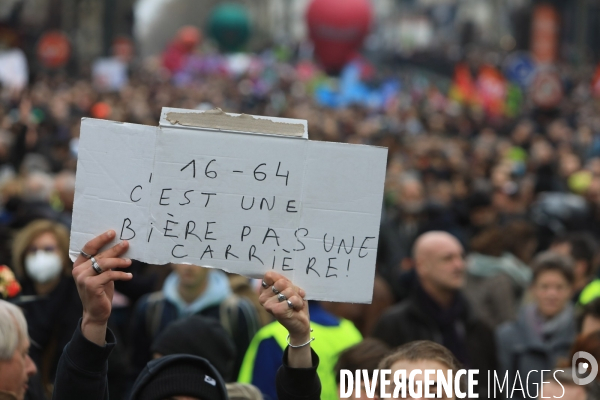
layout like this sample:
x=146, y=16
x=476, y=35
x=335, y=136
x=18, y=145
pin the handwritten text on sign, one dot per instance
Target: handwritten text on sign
x=242, y=202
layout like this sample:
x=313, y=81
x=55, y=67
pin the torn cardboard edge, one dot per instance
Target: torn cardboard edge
x=220, y=120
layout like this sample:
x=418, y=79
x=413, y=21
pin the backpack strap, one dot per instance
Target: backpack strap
x=154, y=311
x=229, y=314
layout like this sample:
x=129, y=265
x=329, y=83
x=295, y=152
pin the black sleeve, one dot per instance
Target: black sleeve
x=384, y=330
x=298, y=383
x=82, y=368
x=139, y=338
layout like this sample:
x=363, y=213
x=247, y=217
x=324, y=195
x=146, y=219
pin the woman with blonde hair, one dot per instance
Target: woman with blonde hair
x=49, y=299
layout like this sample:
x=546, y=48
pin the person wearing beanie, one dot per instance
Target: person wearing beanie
x=205, y=337
x=179, y=375
x=82, y=368
x=199, y=336
x=191, y=290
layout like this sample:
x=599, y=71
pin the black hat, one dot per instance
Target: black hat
x=199, y=336
x=179, y=375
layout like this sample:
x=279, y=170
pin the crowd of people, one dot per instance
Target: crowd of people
x=487, y=251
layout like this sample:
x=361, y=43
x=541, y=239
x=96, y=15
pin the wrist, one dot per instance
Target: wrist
x=298, y=351
x=298, y=338
x=91, y=321
x=94, y=331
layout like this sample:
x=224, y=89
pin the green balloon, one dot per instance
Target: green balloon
x=229, y=26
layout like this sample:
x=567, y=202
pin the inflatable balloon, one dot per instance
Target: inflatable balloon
x=53, y=49
x=229, y=26
x=189, y=37
x=184, y=43
x=337, y=29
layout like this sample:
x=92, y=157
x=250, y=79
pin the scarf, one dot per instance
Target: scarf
x=450, y=321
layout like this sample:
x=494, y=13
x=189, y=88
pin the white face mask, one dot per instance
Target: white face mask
x=43, y=266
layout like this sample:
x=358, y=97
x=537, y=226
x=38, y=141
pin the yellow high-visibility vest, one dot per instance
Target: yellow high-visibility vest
x=590, y=292
x=329, y=342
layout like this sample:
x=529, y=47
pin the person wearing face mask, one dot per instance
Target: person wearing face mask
x=49, y=297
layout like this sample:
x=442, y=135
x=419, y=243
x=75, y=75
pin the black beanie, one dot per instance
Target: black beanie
x=179, y=375
x=199, y=336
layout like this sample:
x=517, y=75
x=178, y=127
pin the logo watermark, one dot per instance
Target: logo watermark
x=463, y=383
x=583, y=368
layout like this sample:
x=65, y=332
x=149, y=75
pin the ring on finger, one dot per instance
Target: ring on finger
x=96, y=266
x=86, y=255
x=290, y=304
x=264, y=284
x=274, y=290
x=281, y=297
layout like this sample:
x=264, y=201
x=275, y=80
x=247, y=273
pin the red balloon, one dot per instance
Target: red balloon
x=184, y=43
x=337, y=29
x=189, y=37
x=53, y=49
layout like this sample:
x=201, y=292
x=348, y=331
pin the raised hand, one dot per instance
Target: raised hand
x=96, y=289
x=291, y=311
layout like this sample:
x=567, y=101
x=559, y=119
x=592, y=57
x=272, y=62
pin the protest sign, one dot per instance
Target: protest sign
x=197, y=189
x=109, y=74
x=14, y=73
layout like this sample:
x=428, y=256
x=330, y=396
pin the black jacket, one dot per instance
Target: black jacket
x=411, y=320
x=83, y=366
x=51, y=320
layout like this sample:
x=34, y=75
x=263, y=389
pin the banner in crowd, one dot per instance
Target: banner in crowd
x=241, y=193
x=14, y=73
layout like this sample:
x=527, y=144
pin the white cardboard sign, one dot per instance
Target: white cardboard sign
x=242, y=202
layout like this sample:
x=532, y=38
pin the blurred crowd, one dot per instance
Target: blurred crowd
x=488, y=242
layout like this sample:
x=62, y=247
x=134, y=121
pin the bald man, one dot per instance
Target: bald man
x=437, y=311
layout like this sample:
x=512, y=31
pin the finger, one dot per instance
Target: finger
x=272, y=300
x=114, y=251
x=106, y=264
x=282, y=284
x=108, y=276
x=274, y=289
x=297, y=302
x=301, y=293
x=268, y=293
x=287, y=293
x=278, y=310
x=93, y=246
x=273, y=283
x=283, y=310
x=271, y=277
x=264, y=296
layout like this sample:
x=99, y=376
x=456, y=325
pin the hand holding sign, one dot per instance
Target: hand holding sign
x=96, y=289
x=287, y=304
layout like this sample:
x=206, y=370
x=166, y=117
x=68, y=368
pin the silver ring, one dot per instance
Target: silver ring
x=290, y=304
x=86, y=255
x=264, y=284
x=96, y=266
x=281, y=297
x=274, y=290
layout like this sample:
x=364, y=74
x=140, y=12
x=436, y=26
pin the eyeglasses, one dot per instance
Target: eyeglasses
x=46, y=249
